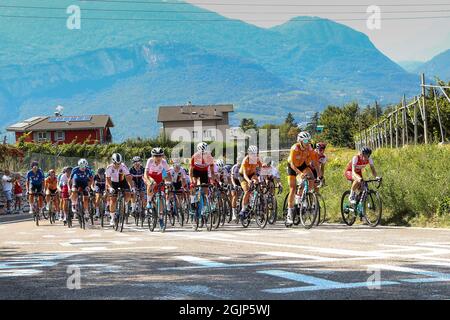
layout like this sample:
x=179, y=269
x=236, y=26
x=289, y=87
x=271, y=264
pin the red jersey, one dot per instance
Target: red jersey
x=359, y=162
x=202, y=161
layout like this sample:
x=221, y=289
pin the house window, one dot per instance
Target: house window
x=59, y=136
x=42, y=136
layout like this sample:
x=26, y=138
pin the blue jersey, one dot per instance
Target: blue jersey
x=79, y=176
x=36, y=179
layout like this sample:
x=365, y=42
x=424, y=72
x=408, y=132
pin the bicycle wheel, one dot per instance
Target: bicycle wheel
x=36, y=218
x=179, y=211
x=245, y=220
x=261, y=212
x=322, y=214
x=308, y=213
x=372, y=208
x=101, y=210
x=347, y=211
x=122, y=214
x=196, y=217
x=217, y=213
x=69, y=218
x=209, y=216
x=151, y=219
x=271, y=209
x=165, y=216
x=50, y=213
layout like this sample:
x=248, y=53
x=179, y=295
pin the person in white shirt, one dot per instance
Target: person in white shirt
x=7, y=190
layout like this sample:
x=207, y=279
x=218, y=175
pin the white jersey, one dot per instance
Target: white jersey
x=156, y=169
x=63, y=180
x=119, y=174
x=178, y=176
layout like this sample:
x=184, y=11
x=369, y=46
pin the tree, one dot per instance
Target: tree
x=290, y=120
x=312, y=124
x=248, y=124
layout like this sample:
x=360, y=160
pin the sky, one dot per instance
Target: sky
x=400, y=39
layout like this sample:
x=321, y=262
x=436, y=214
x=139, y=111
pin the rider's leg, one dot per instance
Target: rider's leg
x=74, y=199
x=292, y=181
x=40, y=201
x=47, y=199
x=246, y=198
x=31, y=201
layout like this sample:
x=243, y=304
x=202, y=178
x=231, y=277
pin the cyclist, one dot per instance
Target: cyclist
x=320, y=157
x=248, y=173
x=156, y=171
x=81, y=180
x=34, y=186
x=270, y=173
x=63, y=187
x=201, y=162
x=178, y=175
x=236, y=182
x=354, y=169
x=99, y=189
x=137, y=172
x=118, y=176
x=300, y=156
x=51, y=189
x=223, y=173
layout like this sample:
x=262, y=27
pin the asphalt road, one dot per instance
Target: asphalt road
x=328, y=262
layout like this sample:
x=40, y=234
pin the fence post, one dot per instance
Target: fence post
x=390, y=131
x=403, y=121
x=396, y=127
x=439, y=117
x=415, y=122
x=425, y=126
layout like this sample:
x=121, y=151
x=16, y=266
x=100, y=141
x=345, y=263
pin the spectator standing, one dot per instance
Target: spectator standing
x=18, y=193
x=7, y=190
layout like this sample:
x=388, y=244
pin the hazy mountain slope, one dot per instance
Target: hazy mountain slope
x=439, y=66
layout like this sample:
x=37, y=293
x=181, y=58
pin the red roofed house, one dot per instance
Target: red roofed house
x=65, y=129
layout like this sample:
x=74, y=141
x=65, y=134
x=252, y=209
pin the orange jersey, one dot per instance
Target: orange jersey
x=298, y=156
x=249, y=166
x=51, y=183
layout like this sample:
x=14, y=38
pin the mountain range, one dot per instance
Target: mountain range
x=128, y=68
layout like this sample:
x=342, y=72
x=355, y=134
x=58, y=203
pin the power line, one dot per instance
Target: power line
x=212, y=12
x=214, y=20
x=267, y=5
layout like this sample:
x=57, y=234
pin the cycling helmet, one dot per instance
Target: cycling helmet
x=366, y=151
x=321, y=145
x=116, y=158
x=253, y=149
x=202, y=147
x=220, y=164
x=34, y=164
x=82, y=163
x=51, y=171
x=157, y=152
x=303, y=136
x=101, y=171
x=136, y=159
x=68, y=169
x=176, y=163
